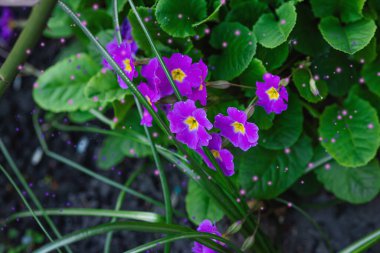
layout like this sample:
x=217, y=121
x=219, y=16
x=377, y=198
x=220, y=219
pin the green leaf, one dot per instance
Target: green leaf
x=348, y=10
x=80, y=116
x=349, y=38
x=355, y=185
x=371, y=74
x=272, y=32
x=238, y=46
x=176, y=17
x=273, y=58
x=301, y=78
x=110, y=153
x=247, y=12
x=200, y=206
x=338, y=72
x=262, y=119
x=363, y=93
x=367, y=54
x=306, y=25
x=105, y=88
x=254, y=73
x=287, y=127
x=351, y=134
x=60, y=88
x=59, y=24
x=160, y=38
x=265, y=174
x=104, y=37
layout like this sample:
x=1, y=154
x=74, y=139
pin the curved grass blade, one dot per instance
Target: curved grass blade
x=160, y=228
x=363, y=244
x=132, y=215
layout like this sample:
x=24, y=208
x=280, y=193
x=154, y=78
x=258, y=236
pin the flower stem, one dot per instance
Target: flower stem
x=168, y=75
x=26, y=41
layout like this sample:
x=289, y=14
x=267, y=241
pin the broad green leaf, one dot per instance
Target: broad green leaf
x=104, y=87
x=61, y=87
x=221, y=105
x=371, y=74
x=348, y=10
x=301, y=78
x=307, y=38
x=237, y=45
x=110, y=153
x=262, y=119
x=200, y=206
x=273, y=58
x=363, y=93
x=247, y=12
x=104, y=37
x=60, y=25
x=272, y=32
x=160, y=38
x=350, y=134
x=339, y=72
x=254, y=73
x=265, y=174
x=367, y=54
x=286, y=129
x=355, y=185
x=176, y=17
x=80, y=116
x=349, y=38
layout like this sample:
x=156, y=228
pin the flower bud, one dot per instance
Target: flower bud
x=284, y=82
x=313, y=87
x=234, y=228
x=250, y=110
x=221, y=84
x=248, y=243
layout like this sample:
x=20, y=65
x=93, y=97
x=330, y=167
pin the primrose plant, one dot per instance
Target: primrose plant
x=247, y=98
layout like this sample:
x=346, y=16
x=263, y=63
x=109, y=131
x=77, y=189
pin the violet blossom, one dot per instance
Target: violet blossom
x=271, y=96
x=206, y=227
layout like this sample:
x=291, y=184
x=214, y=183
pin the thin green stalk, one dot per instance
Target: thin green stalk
x=26, y=41
x=31, y=194
x=318, y=163
x=26, y=203
x=211, y=16
x=133, y=215
x=164, y=183
x=363, y=244
x=119, y=202
x=85, y=170
x=311, y=220
x=143, y=27
x=103, y=118
x=146, y=227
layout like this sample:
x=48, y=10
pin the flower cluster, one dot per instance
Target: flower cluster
x=6, y=24
x=189, y=123
x=206, y=227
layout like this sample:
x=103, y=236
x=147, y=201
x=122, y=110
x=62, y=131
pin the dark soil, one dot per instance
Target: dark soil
x=60, y=186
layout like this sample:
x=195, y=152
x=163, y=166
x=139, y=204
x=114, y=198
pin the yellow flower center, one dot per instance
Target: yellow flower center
x=272, y=93
x=178, y=75
x=215, y=153
x=238, y=127
x=192, y=123
x=127, y=65
x=201, y=87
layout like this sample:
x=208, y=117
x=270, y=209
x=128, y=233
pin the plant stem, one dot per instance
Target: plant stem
x=119, y=202
x=34, y=198
x=26, y=203
x=168, y=75
x=103, y=118
x=26, y=41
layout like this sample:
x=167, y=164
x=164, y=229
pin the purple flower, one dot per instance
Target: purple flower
x=200, y=93
x=126, y=34
x=189, y=124
x=123, y=56
x=187, y=76
x=151, y=96
x=206, y=227
x=6, y=24
x=223, y=156
x=271, y=95
x=236, y=129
